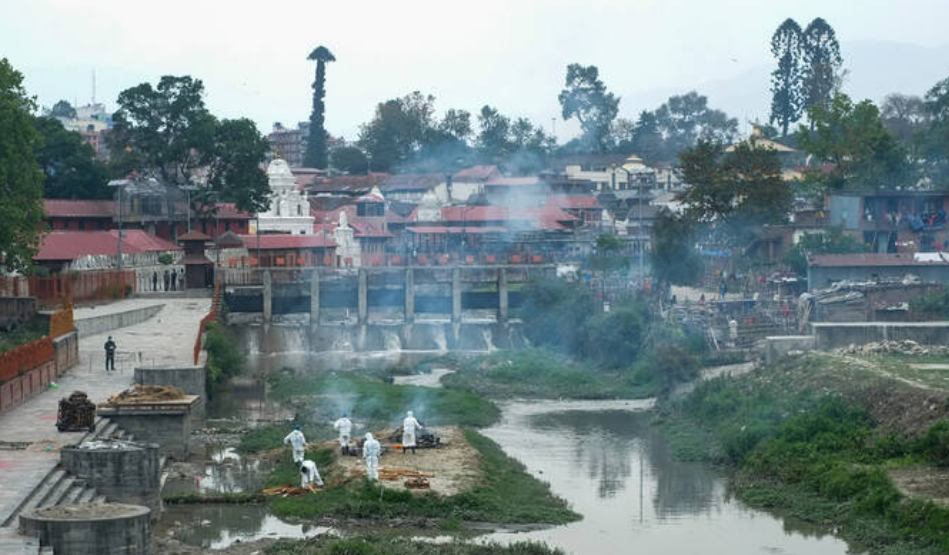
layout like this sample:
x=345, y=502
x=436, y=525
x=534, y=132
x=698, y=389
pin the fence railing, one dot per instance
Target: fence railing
x=25, y=357
x=86, y=286
x=61, y=322
x=208, y=318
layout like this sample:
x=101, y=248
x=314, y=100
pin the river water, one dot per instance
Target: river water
x=603, y=457
x=616, y=470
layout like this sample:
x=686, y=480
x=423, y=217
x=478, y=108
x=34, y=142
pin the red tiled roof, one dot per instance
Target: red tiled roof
x=370, y=197
x=412, y=181
x=70, y=245
x=346, y=183
x=477, y=173
x=547, y=218
x=194, y=235
x=280, y=241
x=368, y=230
x=440, y=229
x=61, y=208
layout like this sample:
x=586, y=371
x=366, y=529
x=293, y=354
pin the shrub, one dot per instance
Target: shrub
x=224, y=358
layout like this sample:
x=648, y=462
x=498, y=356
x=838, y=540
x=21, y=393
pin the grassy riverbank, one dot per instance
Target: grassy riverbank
x=504, y=494
x=372, y=403
x=817, y=437
x=373, y=545
x=539, y=374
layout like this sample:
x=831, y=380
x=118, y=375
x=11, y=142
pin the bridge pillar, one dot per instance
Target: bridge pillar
x=409, y=293
x=315, y=298
x=502, y=295
x=456, y=294
x=268, y=297
x=363, y=296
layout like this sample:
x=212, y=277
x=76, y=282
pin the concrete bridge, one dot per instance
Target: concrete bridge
x=444, y=290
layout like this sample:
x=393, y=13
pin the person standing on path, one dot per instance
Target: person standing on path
x=109, y=354
x=174, y=280
x=154, y=281
x=166, y=278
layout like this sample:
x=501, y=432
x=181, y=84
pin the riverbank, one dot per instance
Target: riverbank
x=822, y=437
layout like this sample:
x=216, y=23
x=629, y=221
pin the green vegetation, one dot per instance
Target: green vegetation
x=213, y=498
x=817, y=453
x=539, y=374
x=935, y=304
x=267, y=438
x=224, y=358
x=506, y=494
x=26, y=332
x=379, y=545
x=831, y=242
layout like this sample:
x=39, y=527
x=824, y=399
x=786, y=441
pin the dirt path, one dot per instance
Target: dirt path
x=455, y=463
x=922, y=482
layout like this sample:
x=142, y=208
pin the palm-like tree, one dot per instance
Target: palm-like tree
x=316, y=144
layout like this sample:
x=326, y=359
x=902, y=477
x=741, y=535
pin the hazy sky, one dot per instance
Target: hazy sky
x=511, y=54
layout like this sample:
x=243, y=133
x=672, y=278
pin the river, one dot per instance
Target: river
x=606, y=460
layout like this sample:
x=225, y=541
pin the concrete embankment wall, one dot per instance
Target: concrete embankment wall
x=841, y=334
x=780, y=345
x=108, y=322
x=108, y=529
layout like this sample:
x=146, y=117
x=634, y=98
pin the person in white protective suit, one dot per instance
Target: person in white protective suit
x=296, y=440
x=410, y=428
x=310, y=475
x=370, y=454
x=345, y=427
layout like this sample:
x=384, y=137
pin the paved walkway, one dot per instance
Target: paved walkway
x=29, y=442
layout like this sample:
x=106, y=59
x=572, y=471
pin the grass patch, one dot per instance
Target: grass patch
x=539, y=374
x=31, y=330
x=213, y=498
x=814, y=452
x=507, y=494
x=388, y=545
x=375, y=403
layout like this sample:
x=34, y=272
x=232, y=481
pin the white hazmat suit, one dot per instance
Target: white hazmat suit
x=370, y=454
x=298, y=442
x=410, y=427
x=345, y=427
x=310, y=475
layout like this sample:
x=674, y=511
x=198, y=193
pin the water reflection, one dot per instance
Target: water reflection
x=219, y=526
x=617, y=471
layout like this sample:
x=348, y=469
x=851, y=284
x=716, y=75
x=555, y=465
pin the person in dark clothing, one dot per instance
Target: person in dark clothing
x=154, y=281
x=167, y=279
x=174, y=280
x=110, y=354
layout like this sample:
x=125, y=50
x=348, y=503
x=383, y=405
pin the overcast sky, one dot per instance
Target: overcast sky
x=508, y=53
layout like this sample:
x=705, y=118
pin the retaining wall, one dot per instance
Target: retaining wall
x=124, y=471
x=15, y=310
x=779, y=345
x=109, y=322
x=166, y=423
x=841, y=334
x=20, y=388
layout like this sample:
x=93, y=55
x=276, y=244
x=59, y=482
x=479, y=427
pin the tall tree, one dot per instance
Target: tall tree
x=685, y=119
x=734, y=190
x=905, y=115
x=316, y=154
x=62, y=109
x=168, y=132
x=786, y=82
x=673, y=257
x=21, y=180
x=350, y=160
x=71, y=168
x=494, y=135
x=822, y=63
x=398, y=131
x=585, y=97
x=647, y=139
x=858, y=150
x=934, y=139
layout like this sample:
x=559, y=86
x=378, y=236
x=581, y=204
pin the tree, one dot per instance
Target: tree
x=685, y=119
x=456, y=124
x=786, y=79
x=647, y=139
x=494, y=134
x=673, y=256
x=832, y=241
x=734, y=190
x=168, y=132
x=63, y=109
x=21, y=180
x=822, y=63
x=350, y=160
x=398, y=131
x=585, y=98
x=315, y=156
x=933, y=140
x=70, y=166
x=860, y=152
x=904, y=115
x=234, y=172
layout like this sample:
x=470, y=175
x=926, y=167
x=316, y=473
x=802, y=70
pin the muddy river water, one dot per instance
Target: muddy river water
x=606, y=460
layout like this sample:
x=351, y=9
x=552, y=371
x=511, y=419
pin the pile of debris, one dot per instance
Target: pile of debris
x=905, y=347
x=76, y=412
x=425, y=438
x=393, y=474
x=146, y=394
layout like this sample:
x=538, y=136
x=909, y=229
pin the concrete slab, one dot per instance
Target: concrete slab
x=167, y=338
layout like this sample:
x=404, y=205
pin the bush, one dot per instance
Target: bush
x=166, y=259
x=934, y=444
x=224, y=358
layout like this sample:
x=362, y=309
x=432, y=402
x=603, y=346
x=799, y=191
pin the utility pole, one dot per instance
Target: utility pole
x=119, y=184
